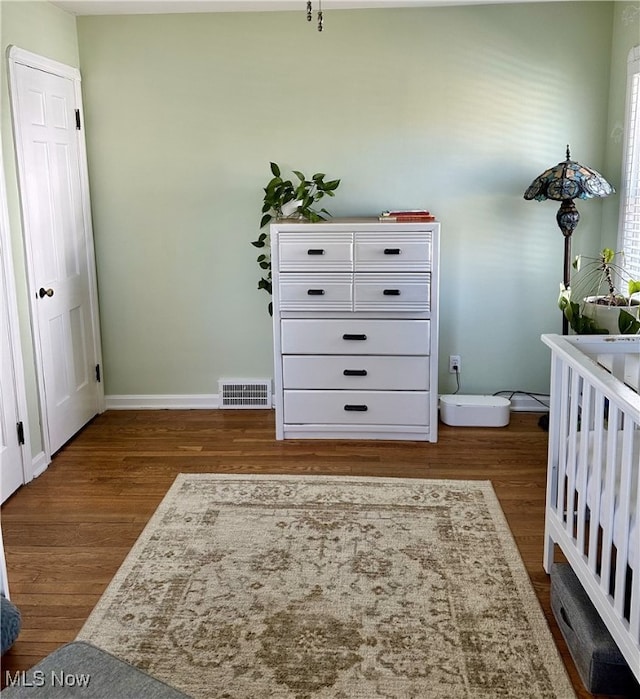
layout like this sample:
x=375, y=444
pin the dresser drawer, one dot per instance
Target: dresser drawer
x=391, y=292
x=357, y=336
x=320, y=251
x=356, y=372
x=357, y=407
x=409, y=252
x=317, y=292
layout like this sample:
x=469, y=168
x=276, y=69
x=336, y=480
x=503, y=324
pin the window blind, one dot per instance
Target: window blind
x=630, y=190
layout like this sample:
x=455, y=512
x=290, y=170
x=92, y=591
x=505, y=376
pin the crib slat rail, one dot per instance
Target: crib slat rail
x=593, y=486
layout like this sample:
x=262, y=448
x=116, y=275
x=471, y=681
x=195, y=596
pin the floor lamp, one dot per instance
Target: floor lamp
x=565, y=182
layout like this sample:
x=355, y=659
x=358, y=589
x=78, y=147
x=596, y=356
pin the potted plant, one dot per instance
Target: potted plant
x=594, y=303
x=287, y=199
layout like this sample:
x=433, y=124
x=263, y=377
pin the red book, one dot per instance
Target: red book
x=408, y=218
x=407, y=212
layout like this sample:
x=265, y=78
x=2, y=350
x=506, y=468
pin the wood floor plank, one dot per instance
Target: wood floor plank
x=67, y=532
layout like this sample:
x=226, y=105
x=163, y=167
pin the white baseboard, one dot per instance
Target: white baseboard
x=519, y=403
x=39, y=464
x=163, y=402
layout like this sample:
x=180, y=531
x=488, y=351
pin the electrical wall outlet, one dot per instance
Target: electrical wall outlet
x=455, y=366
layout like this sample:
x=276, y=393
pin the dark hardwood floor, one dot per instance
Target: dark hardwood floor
x=67, y=532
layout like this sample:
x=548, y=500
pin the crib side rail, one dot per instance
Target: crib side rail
x=581, y=351
x=593, y=487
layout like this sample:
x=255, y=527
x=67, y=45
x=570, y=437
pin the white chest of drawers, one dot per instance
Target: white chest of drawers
x=355, y=321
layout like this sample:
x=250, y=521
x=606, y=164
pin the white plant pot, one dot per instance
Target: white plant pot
x=606, y=317
x=290, y=208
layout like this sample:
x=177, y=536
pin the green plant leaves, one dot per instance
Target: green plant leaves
x=261, y=242
x=634, y=286
x=627, y=324
x=607, y=255
x=279, y=192
x=579, y=323
x=600, y=277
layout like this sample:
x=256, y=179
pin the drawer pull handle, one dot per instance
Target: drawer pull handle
x=355, y=372
x=350, y=336
x=315, y=251
x=315, y=292
x=356, y=408
x=392, y=251
x=391, y=292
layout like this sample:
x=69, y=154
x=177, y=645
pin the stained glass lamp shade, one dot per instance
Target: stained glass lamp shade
x=565, y=182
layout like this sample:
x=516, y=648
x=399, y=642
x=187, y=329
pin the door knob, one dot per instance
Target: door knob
x=45, y=292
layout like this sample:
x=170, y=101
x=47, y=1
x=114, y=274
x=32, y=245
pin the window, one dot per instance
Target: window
x=630, y=190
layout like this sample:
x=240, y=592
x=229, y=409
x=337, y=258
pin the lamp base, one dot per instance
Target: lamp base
x=567, y=217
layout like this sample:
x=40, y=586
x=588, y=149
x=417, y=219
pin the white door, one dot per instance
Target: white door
x=11, y=470
x=13, y=431
x=58, y=243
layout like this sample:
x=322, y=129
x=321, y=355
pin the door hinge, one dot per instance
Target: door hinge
x=78, y=125
x=20, y=430
x=98, y=379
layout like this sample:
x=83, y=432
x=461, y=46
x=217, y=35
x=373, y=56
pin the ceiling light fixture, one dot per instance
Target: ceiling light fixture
x=320, y=15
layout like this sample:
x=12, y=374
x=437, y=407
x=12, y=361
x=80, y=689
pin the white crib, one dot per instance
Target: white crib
x=593, y=495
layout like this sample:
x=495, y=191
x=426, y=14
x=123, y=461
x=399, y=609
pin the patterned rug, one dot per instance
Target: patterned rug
x=318, y=587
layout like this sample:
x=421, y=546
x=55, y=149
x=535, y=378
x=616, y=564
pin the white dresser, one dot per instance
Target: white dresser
x=355, y=325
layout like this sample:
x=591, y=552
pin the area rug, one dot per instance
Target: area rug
x=313, y=587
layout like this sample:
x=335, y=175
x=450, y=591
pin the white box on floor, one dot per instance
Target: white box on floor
x=474, y=411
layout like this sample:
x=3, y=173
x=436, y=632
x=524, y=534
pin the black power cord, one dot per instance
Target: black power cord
x=456, y=371
x=511, y=394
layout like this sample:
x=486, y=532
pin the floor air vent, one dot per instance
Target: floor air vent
x=247, y=393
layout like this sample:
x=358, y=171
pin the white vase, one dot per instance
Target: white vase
x=290, y=208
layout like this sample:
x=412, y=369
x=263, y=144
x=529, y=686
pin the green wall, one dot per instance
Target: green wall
x=456, y=109
x=44, y=29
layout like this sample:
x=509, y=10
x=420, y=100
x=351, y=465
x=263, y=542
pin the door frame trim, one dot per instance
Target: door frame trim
x=13, y=321
x=17, y=56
